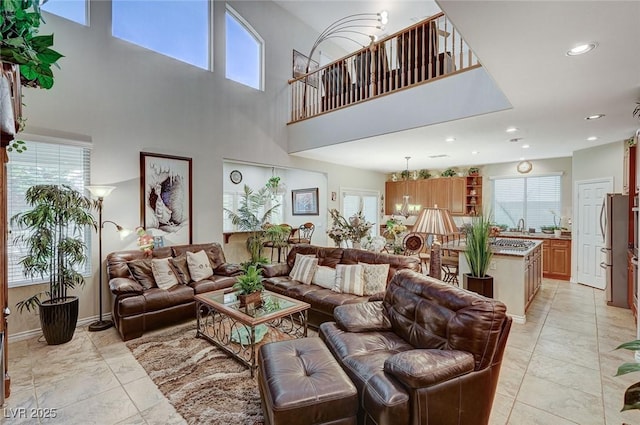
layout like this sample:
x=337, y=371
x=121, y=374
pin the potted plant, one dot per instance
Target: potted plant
x=449, y=172
x=478, y=255
x=249, y=219
x=55, y=249
x=474, y=171
x=250, y=285
x=273, y=184
x=26, y=60
x=424, y=174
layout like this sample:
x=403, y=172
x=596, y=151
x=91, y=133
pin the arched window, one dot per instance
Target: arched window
x=244, y=51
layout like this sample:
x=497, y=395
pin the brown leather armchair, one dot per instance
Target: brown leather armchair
x=429, y=353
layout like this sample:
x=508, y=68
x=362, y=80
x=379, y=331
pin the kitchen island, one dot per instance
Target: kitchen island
x=516, y=267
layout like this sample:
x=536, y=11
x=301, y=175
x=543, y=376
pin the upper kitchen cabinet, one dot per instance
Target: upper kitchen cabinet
x=445, y=192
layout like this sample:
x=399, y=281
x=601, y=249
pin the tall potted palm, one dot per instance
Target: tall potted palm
x=251, y=217
x=478, y=255
x=55, y=250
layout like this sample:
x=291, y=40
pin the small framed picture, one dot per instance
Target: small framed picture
x=300, y=63
x=305, y=201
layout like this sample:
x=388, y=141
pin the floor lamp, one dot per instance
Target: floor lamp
x=435, y=221
x=101, y=192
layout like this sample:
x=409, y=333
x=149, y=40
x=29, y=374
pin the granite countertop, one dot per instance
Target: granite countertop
x=537, y=235
x=460, y=247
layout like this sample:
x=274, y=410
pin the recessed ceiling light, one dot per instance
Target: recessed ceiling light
x=582, y=49
x=474, y=153
x=525, y=146
x=592, y=138
x=512, y=129
x=594, y=117
x=515, y=139
x=522, y=158
x=450, y=139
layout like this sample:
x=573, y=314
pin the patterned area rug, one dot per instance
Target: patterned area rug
x=203, y=384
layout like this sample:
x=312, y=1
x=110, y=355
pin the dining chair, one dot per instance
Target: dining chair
x=304, y=233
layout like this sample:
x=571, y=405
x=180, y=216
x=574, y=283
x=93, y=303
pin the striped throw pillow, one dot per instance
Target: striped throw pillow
x=304, y=268
x=349, y=279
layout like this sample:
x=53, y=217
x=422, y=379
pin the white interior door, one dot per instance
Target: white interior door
x=588, y=239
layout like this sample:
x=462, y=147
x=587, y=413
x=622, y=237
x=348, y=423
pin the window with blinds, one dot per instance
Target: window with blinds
x=534, y=199
x=42, y=163
x=365, y=201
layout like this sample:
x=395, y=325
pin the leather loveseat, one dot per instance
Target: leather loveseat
x=139, y=305
x=429, y=353
x=323, y=300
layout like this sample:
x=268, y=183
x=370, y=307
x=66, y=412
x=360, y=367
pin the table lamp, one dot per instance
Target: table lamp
x=435, y=221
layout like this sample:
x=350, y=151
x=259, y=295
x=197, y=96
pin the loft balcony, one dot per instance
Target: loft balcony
x=426, y=52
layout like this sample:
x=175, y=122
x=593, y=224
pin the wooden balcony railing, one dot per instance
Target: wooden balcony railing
x=419, y=54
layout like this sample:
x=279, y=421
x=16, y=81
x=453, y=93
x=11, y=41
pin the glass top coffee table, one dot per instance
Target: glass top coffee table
x=238, y=330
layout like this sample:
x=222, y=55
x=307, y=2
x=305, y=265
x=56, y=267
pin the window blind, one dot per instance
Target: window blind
x=534, y=199
x=42, y=163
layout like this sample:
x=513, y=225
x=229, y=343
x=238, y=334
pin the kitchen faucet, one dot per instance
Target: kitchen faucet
x=520, y=227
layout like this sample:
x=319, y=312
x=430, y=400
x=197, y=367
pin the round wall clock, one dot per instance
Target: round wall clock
x=235, y=176
x=524, y=167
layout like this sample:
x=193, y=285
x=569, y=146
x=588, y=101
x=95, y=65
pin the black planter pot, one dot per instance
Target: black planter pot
x=480, y=285
x=58, y=319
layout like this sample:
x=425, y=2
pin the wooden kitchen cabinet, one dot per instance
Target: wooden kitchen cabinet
x=445, y=192
x=556, y=259
x=473, y=195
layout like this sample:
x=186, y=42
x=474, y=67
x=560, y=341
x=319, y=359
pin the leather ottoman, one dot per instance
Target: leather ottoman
x=301, y=383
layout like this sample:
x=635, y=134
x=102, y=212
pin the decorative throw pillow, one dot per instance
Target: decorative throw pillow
x=199, y=266
x=303, y=268
x=349, y=279
x=142, y=273
x=324, y=276
x=180, y=268
x=163, y=273
x=375, y=278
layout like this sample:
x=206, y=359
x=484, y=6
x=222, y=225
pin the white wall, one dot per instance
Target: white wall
x=600, y=161
x=127, y=99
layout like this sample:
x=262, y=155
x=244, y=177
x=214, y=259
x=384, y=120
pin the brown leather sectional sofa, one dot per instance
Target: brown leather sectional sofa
x=429, y=353
x=139, y=305
x=323, y=301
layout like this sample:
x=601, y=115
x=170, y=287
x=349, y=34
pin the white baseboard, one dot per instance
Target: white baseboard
x=20, y=336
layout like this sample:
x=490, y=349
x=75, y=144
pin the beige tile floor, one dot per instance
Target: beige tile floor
x=558, y=370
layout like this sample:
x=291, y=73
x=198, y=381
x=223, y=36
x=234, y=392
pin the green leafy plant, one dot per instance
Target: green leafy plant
x=424, y=174
x=249, y=219
x=632, y=394
x=478, y=251
x=250, y=281
x=449, y=172
x=54, y=239
x=474, y=171
x=404, y=174
x=19, y=43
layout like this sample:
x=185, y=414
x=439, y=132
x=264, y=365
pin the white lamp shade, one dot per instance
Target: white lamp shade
x=435, y=221
x=100, y=191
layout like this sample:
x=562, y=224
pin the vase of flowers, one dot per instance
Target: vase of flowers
x=352, y=230
x=145, y=241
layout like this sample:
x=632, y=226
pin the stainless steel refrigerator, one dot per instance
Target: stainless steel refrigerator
x=614, y=224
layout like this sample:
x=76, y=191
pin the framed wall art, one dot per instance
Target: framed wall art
x=165, y=195
x=300, y=67
x=305, y=201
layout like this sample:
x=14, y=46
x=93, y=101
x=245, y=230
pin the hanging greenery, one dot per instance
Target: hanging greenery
x=20, y=43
